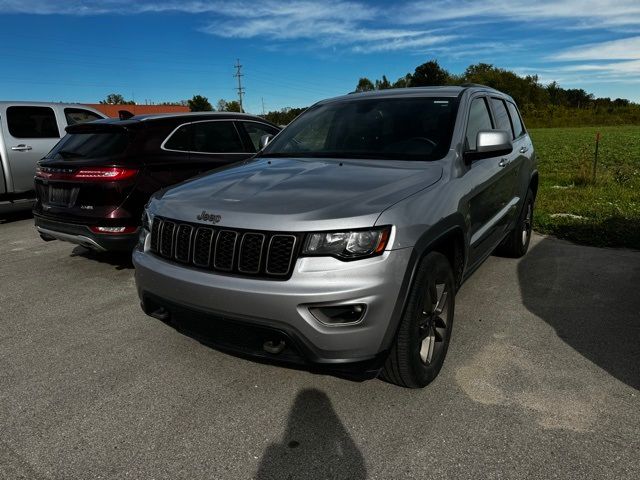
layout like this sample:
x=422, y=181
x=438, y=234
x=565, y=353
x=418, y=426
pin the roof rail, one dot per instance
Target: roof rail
x=467, y=85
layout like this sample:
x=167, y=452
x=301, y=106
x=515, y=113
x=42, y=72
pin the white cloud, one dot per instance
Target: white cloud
x=399, y=43
x=331, y=22
x=622, y=49
x=583, y=13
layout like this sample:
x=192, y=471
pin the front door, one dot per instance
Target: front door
x=29, y=132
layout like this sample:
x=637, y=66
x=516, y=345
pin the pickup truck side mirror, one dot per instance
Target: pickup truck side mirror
x=490, y=143
x=264, y=140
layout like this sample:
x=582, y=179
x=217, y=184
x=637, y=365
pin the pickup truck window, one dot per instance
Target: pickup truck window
x=32, y=122
x=381, y=128
x=79, y=115
x=479, y=119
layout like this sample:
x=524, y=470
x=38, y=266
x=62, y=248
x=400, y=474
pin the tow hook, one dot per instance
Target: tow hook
x=274, y=348
x=161, y=314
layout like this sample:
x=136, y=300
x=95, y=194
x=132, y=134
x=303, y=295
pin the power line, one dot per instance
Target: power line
x=239, y=76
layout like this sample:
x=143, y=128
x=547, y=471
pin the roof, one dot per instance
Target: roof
x=197, y=114
x=43, y=104
x=444, y=91
x=140, y=120
x=113, y=111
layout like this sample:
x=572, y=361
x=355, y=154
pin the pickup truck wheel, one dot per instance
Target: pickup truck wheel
x=516, y=244
x=421, y=342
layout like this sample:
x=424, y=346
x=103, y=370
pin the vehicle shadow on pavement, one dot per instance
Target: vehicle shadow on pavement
x=315, y=444
x=10, y=217
x=590, y=297
x=120, y=260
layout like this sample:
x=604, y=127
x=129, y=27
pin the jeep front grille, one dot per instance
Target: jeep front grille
x=243, y=252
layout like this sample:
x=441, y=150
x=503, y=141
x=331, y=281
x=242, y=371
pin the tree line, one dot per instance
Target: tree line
x=541, y=105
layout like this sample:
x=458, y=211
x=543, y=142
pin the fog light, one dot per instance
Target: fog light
x=336, y=315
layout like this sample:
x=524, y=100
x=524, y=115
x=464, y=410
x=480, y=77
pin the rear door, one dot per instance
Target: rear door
x=29, y=134
x=521, y=158
x=490, y=190
x=215, y=143
x=509, y=175
x=189, y=149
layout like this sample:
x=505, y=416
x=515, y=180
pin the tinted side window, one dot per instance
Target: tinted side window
x=502, y=117
x=256, y=131
x=32, y=122
x=79, y=115
x=179, y=140
x=518, y=128
x=215, y=137
x=479, y=119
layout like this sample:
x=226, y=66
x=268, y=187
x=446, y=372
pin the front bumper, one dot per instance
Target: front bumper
x=82, y=235
x=275, y=310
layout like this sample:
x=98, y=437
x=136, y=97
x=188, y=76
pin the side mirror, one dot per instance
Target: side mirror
x=490, y=143
x=264, y=140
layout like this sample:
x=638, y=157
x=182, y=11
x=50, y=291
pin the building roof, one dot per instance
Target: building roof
x=113, y=110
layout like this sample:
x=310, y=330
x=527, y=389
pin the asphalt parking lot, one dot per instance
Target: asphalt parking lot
x=542, y=381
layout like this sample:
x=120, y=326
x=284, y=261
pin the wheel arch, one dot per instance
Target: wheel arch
x=446, y=237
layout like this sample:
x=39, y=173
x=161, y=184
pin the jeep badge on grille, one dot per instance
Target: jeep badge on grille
x=209, y=217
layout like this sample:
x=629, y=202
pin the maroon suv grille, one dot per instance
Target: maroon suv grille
x=256, y=254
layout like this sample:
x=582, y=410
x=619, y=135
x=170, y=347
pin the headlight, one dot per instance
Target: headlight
x=146, y=228
x=347, y=245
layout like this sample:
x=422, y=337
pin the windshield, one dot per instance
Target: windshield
x=381, y=128
x=90, y=145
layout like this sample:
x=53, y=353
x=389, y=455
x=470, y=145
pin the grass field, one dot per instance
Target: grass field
x=569, y=204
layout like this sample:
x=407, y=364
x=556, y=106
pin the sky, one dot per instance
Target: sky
x=294, y=53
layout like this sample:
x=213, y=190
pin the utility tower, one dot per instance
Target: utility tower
x=263, y=112
x=239, y=76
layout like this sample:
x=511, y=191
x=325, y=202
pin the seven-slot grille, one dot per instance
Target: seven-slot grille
x=260, y=254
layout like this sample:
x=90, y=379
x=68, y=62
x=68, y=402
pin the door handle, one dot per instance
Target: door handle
x=21, y=148
x=504, y=162
x=524, y=149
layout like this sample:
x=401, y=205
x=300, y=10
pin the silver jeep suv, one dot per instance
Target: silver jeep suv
x=341, y=245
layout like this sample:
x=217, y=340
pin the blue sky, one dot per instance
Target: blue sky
x=296, y=52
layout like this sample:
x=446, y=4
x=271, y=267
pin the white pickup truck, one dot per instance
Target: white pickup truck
x=28, y=130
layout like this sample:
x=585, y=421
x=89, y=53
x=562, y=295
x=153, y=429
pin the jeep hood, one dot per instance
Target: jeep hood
x=297, y=194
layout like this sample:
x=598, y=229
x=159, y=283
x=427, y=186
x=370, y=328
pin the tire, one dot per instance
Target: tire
x=422, y=340
x=516, y=243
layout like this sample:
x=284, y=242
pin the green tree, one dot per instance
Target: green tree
x=284, y=116
x=383, y=84
x=364, y=85
x=228, y=106
x=116, y=99
x=199, y=104
x=402, y=82
x=429, y=73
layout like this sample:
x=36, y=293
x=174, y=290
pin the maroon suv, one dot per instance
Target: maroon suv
x=92, y=187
